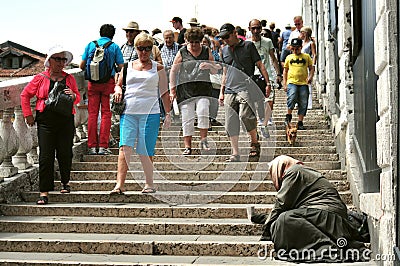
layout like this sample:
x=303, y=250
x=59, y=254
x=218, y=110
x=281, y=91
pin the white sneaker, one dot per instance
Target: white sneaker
x=270, y=122
x=265, y=132
x=104, y=151
x=260, y=122
x=92, y=151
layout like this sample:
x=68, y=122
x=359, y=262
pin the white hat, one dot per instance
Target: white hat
x=55, y=50
x=193, y=21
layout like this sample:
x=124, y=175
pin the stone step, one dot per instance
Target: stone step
x=209, y=158
x=184, y=185
x=222, y=133
x=194, y=164
x=135, y=210
x=131, y=244
x=135, y=225
x=143, y=210
x=175, y=197
x=194, y=175
x=271, y=150
x=29, y=258
x=278, y=136
x=308, y=124
x=301, y=142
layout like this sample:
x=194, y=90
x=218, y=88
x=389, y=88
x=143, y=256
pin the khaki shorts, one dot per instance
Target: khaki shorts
x=238, y=108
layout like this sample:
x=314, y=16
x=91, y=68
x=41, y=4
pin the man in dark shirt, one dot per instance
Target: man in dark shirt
x=238, y=92
x=177, y=24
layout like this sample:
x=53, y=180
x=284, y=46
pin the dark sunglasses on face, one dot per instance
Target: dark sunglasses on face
x=297, y=24
x=255, y=28
x=144, y=48
x=59, y=59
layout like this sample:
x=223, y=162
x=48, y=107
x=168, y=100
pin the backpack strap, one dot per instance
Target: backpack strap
x=95, y=43
x=105, y=46
x=124, y=74
x=124, y=71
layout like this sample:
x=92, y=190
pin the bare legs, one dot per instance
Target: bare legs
x=125, y=153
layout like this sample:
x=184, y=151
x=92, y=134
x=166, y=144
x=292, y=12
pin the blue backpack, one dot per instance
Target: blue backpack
x=97, y=68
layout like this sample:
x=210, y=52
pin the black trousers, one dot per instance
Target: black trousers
x=55, y=135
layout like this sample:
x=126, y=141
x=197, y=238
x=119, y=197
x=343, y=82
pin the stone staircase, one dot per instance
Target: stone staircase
x=197, y=216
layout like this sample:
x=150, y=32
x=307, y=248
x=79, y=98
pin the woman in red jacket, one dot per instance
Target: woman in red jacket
x=55, y=130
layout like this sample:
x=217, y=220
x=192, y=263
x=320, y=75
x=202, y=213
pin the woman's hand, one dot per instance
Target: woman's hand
x=172, y=94
x=167, y=121
x=205, y=65
x=70, y=93
x=30, y=121
x=117, y=96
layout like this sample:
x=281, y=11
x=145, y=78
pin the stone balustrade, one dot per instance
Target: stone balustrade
x=18, y=142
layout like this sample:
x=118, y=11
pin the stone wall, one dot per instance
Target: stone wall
x=380, y=207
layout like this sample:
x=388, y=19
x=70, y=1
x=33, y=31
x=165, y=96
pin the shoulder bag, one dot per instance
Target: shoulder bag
x=58, y=101
x=119, y=108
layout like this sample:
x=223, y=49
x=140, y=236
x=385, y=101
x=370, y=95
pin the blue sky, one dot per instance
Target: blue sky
x=40, y=24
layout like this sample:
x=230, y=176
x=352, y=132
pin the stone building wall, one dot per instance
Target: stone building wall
x=380, y=207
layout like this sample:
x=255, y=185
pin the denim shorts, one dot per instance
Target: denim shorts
x=141, y=129
x=297, y=94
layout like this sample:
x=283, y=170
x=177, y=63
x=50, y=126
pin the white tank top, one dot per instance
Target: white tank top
x=142, y=91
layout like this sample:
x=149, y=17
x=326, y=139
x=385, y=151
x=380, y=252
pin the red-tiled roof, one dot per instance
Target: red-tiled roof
x=33, y=68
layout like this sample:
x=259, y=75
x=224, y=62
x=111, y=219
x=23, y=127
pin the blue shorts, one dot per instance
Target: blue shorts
x=297, y=94
x=140, y=129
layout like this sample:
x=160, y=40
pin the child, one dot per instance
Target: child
x=297, y=74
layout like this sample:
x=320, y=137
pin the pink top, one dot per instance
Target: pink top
x=39, y=87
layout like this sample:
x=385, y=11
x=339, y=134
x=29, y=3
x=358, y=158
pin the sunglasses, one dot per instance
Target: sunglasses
x=297, y=24
x=59, y=59
x=132, y=31
x=255, y=28
x=144, y=48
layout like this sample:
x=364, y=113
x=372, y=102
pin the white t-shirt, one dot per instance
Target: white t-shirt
x=263, y=47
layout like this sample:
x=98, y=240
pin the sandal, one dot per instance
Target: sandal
x=117, y=191
x=149, y=190
x=255, y=150
x=65, y=189
x=204, y=145
x=43, y=200
x=187, y=151
x=233, y=158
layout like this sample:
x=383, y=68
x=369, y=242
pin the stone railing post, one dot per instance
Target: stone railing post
x=33, y=156
x=8, y=134
x=81, y=115
x=2, y=146
x=81, y=118
x=23, y=134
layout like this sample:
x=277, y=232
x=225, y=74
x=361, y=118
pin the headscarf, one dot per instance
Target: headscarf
x=278, y=166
